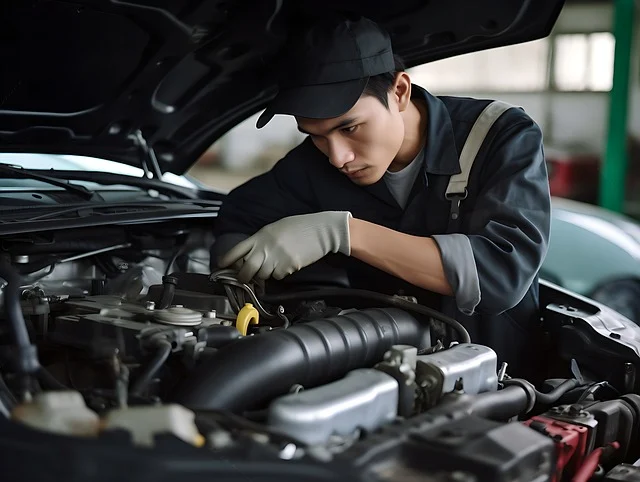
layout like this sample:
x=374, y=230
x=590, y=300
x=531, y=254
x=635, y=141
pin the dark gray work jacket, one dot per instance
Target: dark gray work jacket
x=506, y=218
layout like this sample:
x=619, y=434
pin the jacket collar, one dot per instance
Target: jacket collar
x=441, y=153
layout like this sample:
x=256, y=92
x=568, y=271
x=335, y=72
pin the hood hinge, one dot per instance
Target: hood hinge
x=148, y=159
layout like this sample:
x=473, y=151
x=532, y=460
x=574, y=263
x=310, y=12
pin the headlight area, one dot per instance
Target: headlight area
x=206, y=377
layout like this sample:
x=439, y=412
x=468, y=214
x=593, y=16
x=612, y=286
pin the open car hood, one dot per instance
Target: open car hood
x=161, y=80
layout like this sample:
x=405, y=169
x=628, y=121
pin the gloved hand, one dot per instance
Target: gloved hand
x=290, y=244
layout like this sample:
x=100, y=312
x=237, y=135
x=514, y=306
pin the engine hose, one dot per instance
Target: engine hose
x=518, y=397
x=248, y=373
x=590, y=464
x=373, y=296
x=26, y=358
x=501, y=405
x=554, y=395
x=163, y=351
x=168, y=292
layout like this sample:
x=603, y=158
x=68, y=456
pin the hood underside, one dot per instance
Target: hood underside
x=88, y=77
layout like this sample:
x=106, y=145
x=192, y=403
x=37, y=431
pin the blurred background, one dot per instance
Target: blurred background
x=565, y=82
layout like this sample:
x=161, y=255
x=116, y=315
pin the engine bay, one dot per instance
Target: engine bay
x=132, y=346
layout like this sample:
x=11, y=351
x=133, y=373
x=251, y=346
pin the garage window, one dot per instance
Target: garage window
x=583, y=62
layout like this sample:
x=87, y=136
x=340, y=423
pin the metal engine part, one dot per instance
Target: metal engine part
x=468, y=366
x=364, y=399
x=400, y=363
x=105, y=322
x=178, y=316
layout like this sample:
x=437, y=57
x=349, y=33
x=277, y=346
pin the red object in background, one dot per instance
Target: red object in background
x=573, y=175
x=570, y=441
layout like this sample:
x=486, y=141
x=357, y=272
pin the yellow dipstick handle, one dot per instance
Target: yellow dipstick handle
x=247, y=315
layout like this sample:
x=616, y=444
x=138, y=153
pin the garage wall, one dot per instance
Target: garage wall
x=579, y=118
x=583, y=117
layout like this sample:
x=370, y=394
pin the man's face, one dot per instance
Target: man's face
x=361, y=143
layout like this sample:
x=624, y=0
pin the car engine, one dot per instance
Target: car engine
x=117, y=344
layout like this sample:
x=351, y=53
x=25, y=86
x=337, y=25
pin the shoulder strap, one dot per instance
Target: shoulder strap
x=457, y=188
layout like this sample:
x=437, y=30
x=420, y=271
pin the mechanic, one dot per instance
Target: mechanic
x=366, y=191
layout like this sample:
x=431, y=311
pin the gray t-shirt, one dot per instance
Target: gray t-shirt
x=401, y=182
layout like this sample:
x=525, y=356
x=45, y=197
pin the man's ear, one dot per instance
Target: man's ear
x=402, y=90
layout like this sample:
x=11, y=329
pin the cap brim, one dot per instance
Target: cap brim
x=322, y=101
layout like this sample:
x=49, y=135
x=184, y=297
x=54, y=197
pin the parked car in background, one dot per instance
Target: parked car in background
x=596, y=253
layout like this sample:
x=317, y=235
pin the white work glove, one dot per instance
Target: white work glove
x=290, y=244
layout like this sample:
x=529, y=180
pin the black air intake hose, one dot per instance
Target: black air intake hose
x=247, y=374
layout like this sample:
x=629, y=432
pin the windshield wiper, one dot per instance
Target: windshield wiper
x=109, y=178
x=19, y=172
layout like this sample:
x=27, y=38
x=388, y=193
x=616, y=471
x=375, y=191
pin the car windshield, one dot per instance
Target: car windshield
x=74, y=163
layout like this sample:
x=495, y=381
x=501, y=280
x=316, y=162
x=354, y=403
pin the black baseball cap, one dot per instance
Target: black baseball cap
x=326, y=67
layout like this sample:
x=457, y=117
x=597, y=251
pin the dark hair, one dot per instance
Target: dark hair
x=380, y=85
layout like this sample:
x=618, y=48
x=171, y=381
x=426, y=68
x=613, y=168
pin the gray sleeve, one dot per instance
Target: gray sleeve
x=460, y=270
x=508, y=222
